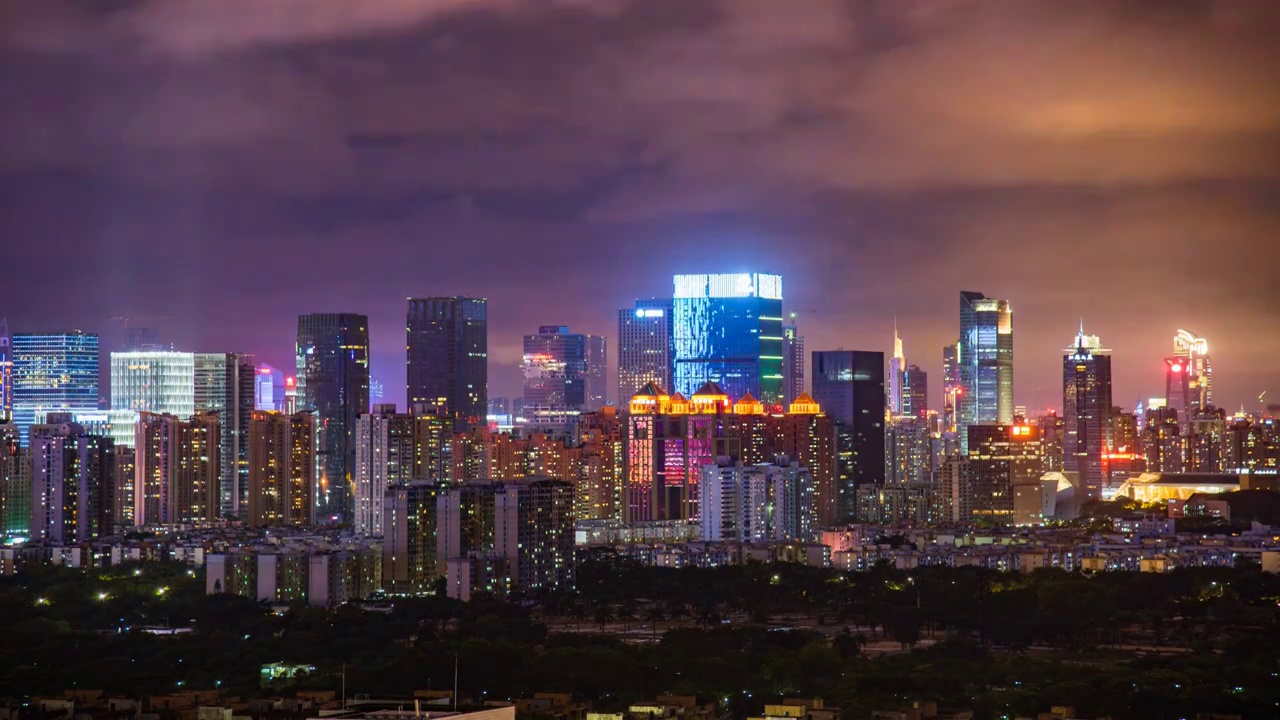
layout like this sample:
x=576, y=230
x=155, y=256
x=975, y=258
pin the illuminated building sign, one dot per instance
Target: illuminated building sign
x=729, y=285
x=649, y=312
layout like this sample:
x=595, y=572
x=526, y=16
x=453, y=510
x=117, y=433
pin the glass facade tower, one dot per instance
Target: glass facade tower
x=333, y=383
x=156, y=382
x=55, y=372
x=448, y=356
x=727, y=329
x=225, y=383
x=555, y=365
x=985, y=356
x=1086, y=410
x=849, y=386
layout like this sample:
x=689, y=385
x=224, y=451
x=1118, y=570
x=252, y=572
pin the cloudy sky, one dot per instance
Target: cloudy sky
x=216, y=167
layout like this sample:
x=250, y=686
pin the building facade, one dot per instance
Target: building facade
x=72, y=485
x=448, y=356
x=727, y=329
x=555, y=369
x=646, y=349
x=333, y=382
x=226, y=384
x=849, y=386
x=53, y=372
x=176, y=469
x=792, y=362
x=985, y=361
x=282, y=469
x=1086, y=410
x=149, y=381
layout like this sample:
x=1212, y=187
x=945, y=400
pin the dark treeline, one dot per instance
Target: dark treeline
x=998, y=643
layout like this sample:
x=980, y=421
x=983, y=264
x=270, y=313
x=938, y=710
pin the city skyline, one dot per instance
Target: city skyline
x=221, y=162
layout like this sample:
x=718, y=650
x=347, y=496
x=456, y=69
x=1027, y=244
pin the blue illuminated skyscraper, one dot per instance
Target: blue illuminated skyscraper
x=727, y=329
x=53, y=372
x=985, y=362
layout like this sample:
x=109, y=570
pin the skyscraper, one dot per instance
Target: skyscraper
x=392, y=449
x=849, y=386
x=225, y=383
x=149, y=381
x=53, y=372
x=950, y=386
x=982, y=486
x=268, y=389
x=596, y=375
x=533, y=530
x=1086, y=410
x=15, y=484
x=6, y=373
x=915, y=393
x=1195, y=353
x=646, y=350
x=333, y=382
x=555, y=363
x=792, y=362
x=985, y=357
x=897, y=366
x=448, y=356
x=728, y=330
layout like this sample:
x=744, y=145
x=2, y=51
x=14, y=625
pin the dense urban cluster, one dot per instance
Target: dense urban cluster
x=721, y=443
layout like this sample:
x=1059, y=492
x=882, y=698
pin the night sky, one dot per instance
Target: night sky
x=214, y=168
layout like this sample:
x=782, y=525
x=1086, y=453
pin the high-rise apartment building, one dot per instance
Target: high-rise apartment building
x=282, y=469
x=448, y=356
x=226, y=384
x=176, y=469
x=411, y=560
x=985, y=359
x=646, y=350
x=53, y=372
x=555, y=366
x=392, y=449
x=727, y=329
x=849, y=386
x=333, y=382
x=601, y=464
x=533, y=533
x=15, y=484
x=981, y=487
x=1086, y=410
x=72, y=485
x=757, y=503
x=160, y=381
x=792, y=362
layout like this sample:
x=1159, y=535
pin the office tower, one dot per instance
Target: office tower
x=950, y=386
x=1206, y=442
x=897, y=370
x=154, y=381
x=282, y=467
x=727, y=329
x=792, y=363
x=981, y=486
x=333, y=382
x=596, y=375
x=915, y=393
x=394, y=448
x=126, y=473
x=410, y=557
x=1053, y=431
x=849, y=386
x=646, y=350
x=1086, y=410
x=1193, y=351
x=53, y=372
x=448, y=356
x=226, y=384
x=176, y=472
x=268, y=389
x=72, y=485
x=533, y=532
x=554, y=365
x=985, y=355
x=601, y=463
x=290, y=395
x=6, y=373
x=15, y=483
